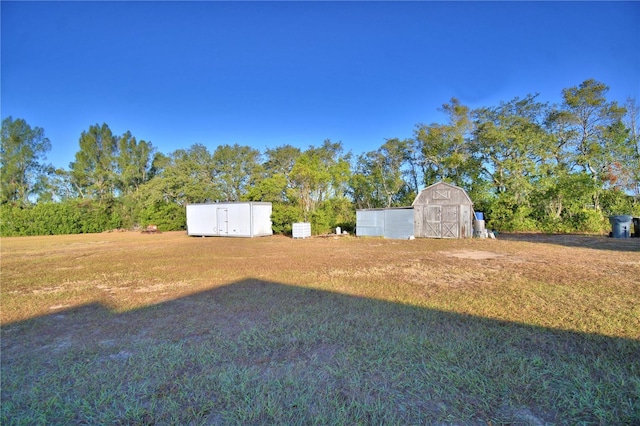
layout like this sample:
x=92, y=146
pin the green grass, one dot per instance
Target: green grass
x=337, y=347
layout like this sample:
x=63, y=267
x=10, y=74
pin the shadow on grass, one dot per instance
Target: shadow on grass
x=598, y=242
x=256, y=352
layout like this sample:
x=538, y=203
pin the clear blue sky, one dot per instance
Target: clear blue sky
x=266, y=74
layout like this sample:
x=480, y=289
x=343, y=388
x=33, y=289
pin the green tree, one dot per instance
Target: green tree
x=277, y=187
x=236, y=169
x=362, y=185
x=320, y=173
x=276, y=184
x=444, y=149
x=562, y=202
x=183, y=177
x=512, y=143
x=134, y=167
x=593, y=133
x=57, y=186
x=629, y=175
x=280, y=160
x=273, y=188
x=186, y=178
x=133, y=163
x=93, y=173
x=378, y=178
x=22, y=171
x=514, y=148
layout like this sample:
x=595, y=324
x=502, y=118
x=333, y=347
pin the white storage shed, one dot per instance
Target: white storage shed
x=239, y=219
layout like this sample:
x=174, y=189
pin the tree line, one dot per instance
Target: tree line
x=529, y=165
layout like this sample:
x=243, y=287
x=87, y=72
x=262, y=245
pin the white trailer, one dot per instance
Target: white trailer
x=241, y=219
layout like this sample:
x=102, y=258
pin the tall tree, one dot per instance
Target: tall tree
x=320, y=173
x=631, y=167
x=444, y=148
x=416, y=170
x=594, y=139
x=280, y=160
x=133, y=163
x=188, y=177
x=22, y=152
x=378, y=178
x=362, y=188
x=57, y=186
x=93, y=173
x=512, y=144
x=235, y=168
x=276, y=184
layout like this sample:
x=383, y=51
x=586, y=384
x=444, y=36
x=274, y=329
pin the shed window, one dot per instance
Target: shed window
x=441, y=194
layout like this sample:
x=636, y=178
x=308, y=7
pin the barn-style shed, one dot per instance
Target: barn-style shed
x=443, y=210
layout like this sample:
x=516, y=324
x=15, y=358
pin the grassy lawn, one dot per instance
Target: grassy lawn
x=133, y=329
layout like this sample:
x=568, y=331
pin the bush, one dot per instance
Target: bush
x=167, y=216
x=12, y=220
x=73, y=216
x=589, y=221
x=616, y=202
x=504, y=214
x=283, y=216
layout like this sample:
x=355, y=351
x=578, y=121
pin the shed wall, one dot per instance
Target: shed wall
x=261, y=220
x=238, y=220
x=201, y=220
x=370, y=223
x=398, y=223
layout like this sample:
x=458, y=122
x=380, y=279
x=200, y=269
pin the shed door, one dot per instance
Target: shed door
x=431, y=221
x=223, y=221
x=450, y=222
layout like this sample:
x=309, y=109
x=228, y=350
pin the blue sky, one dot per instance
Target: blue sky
x=266, y=74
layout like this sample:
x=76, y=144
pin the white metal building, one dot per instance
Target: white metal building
x=240, y=219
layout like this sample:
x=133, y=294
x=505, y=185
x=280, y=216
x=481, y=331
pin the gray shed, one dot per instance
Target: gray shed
x=391, y=222
x=443, y=210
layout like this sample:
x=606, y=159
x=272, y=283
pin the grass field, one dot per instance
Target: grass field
x=134, y=329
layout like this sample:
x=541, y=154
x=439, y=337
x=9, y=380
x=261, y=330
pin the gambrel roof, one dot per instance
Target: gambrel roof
x=442, y=193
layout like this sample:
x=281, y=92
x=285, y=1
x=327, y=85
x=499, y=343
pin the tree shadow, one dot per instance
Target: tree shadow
x=257, y=352
x=597, y=242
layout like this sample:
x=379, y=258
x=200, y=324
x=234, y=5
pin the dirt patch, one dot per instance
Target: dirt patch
x=473, y=254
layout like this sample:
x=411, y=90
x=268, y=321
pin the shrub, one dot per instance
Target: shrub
x=283, y=216
x=167, y=216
